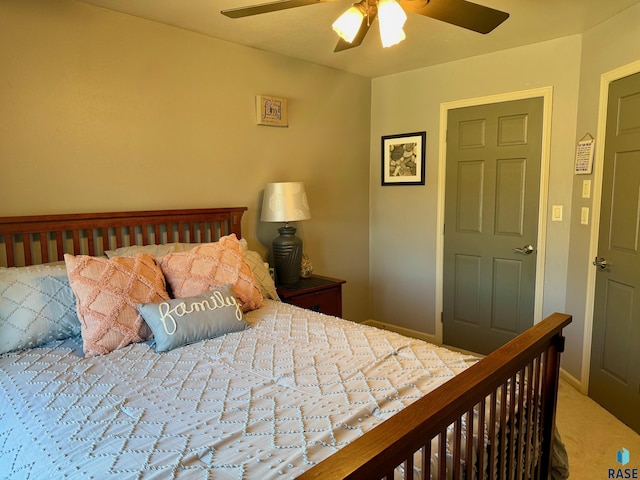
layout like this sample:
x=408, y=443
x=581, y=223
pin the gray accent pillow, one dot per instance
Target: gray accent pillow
x=182, y=321
x=37, y=306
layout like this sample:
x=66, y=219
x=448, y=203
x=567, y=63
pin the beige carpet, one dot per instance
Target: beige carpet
x=592, y=436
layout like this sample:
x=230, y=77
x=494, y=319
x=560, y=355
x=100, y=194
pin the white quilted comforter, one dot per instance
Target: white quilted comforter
x=268, y=402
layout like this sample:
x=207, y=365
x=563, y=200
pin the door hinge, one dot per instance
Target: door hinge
x=441, y=317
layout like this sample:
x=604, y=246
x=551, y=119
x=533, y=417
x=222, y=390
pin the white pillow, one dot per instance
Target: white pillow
x=153, y=250
x=261, y=274
x=260, y=270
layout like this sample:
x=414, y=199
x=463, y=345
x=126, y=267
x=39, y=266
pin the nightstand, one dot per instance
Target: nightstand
x=317, y=293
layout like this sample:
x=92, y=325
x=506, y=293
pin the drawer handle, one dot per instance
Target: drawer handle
x=315, y=307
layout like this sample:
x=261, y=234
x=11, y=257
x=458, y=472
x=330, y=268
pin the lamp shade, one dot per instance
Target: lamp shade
x=285, y=202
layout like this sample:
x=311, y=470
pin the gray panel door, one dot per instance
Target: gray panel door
x=614, y=379
x=491, y=222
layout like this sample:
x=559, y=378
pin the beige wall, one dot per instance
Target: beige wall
x=101, y=111
x=403, y=219
x=610, y=46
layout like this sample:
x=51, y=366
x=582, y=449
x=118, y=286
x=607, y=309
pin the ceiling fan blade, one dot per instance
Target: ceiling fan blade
x=364, y=28
x=267, y=7
x=461, y=13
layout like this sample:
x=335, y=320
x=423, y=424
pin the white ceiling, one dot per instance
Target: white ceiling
x=306, y=33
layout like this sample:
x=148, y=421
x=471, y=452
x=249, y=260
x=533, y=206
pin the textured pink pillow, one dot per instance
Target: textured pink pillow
x=212, y=265
x=107, y=293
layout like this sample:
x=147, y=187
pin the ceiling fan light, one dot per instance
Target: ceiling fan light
x=391, y=17
x=390, y=38
x=348, y=24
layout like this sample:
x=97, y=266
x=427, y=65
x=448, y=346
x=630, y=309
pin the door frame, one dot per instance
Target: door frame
x=547, y=94
x=598, y=167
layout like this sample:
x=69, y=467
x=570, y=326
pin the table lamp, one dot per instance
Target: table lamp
x=286, y=202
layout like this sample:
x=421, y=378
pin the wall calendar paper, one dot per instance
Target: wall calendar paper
x=584, y=156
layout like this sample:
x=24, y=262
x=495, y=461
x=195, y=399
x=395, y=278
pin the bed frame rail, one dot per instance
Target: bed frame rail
x=510, y=393
x=28, y=240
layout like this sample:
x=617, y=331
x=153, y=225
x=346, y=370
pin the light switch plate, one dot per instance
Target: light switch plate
x=584, y=216
x=556, y=213
x=586, y=189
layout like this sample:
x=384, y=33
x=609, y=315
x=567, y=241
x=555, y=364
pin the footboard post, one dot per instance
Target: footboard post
x=549, y=401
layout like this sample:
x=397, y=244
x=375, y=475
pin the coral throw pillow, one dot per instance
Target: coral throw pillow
x=107, y=293
x=212, y=265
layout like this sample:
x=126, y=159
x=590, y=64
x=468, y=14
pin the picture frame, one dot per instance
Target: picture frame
x=271, y=111
x=403, y=159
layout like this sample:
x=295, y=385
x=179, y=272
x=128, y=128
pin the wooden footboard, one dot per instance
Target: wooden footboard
x=495, y=420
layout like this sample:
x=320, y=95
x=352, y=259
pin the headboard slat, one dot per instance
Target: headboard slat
x=119, y=236
x=11, y=259
x=90, y=242
x=181, y=230
x=76, y=242
x=59, y=245
x=145, y=234
x=82, y=230
x=44, y=251
x=105, y=239
x=26, y=241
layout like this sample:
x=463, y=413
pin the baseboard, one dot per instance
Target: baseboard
x=571, y=380
x=401, y=330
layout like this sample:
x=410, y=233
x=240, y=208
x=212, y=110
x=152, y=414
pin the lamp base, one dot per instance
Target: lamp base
x=287, y=256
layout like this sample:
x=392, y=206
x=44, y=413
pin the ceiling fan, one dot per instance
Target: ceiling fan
x=461, y=13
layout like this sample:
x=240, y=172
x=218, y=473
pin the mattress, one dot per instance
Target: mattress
x=267, y=402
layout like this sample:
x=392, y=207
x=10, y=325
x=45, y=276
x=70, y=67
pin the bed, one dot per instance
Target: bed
x=291, y=394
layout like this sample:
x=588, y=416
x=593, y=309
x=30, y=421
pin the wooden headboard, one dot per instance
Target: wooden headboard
x=30, y=240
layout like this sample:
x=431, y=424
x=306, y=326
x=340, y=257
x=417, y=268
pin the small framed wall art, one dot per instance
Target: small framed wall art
x=584, y=155
x=271, y=111
x=403, y=159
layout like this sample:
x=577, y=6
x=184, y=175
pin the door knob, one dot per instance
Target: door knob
x=527, y=250
x=600, y=262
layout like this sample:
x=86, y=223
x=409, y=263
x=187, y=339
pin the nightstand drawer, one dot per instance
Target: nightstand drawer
x=320, y=294
x=327, y=301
